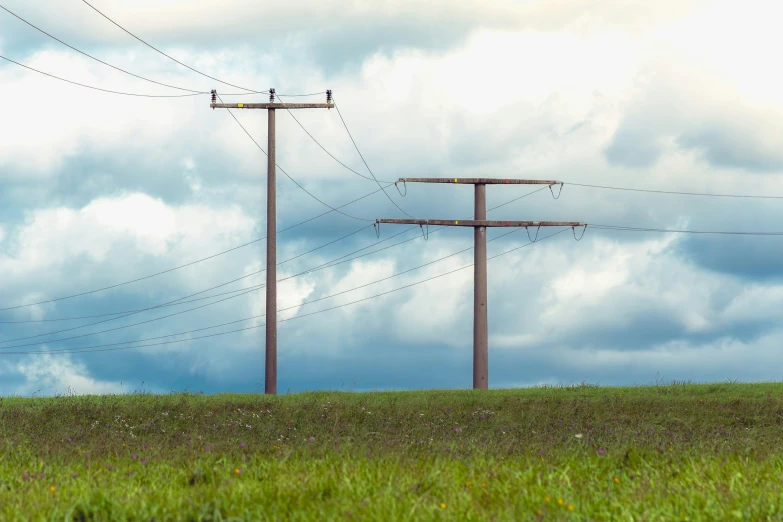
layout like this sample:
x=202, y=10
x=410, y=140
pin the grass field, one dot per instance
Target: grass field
x=658, y=452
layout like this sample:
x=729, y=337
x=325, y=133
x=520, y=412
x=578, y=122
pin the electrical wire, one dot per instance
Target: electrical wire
x=99, y=88
x=311, y=94
x=675, y=192
x=640, y=229
x=197, y=307
x=363, y=160
x=89, y=350
x=175, y=301
x=185, y=265
x=326, y=151
x=292, y=179
x=166, y=55
x=333, y=262
x=283, y=309
x=97, y=59
x=328, y=264
x=122, y=312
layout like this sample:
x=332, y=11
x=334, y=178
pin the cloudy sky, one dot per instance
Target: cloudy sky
x=99, y=189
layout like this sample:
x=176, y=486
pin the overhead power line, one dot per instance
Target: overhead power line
x=185, y=265
x=209, y=304
x=174, y=301
x=246, y=292
x=60, y=319
x=97, y=59
x=99, y=88
x=291, y=178
x=328, y=264
x=721, y=232
x=100, y=349
x=363, y=160
x=326, y=151
x=334, y=262
x=675, y=192
x=170, y=57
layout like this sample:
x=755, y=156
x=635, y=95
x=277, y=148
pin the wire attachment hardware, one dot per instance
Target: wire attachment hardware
x=398, y=188
x=328, y=95
x=535, y=238
x=271, y=95
x=426, y=235
x=377, y=228
x=573, y=229
x=553, y=192
x=214, y=96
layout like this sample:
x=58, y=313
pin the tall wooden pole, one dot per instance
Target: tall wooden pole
x=270, y=384
x=480, y=333
x=270, y=374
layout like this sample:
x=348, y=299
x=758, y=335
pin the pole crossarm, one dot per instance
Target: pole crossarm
x=481, y=223
x=271, y=105
x=481, y=181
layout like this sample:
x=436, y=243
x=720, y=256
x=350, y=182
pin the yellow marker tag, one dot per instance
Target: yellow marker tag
x=455, y=180
x=240, y=104
x=456, y=222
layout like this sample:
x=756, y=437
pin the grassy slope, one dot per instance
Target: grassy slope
x=672, y=452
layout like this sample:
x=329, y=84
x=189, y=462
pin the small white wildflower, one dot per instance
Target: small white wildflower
x=578, y=435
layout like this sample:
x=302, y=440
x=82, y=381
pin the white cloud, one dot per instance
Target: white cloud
x=56, y=374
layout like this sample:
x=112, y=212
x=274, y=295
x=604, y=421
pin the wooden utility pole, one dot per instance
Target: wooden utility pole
x=270, y=379
x=480, y=224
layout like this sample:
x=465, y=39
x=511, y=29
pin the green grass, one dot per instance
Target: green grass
x=661, y=452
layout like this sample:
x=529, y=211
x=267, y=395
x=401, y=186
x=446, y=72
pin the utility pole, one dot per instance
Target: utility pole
x=480, y=224
x=270, y=378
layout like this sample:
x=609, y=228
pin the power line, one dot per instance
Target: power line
x=675, y=192
x=328, y=264
x=311, y=94
x=124, y=311
x=175, y=301
x=326, y=151
x=640, y=229
x=262, y=315
x=169, y=57
x=99, y=88
x=97, y=59
x=292, y=179
x=189, y=309
x=187, y=264
x=87, y=350
x=363, y=160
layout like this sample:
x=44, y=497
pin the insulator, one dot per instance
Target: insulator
x=271, y=95
x=214, y=95
x=328, y=96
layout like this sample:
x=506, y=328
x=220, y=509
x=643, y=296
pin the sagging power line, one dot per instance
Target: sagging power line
x=86, y=350
x=99, y=88
x=250, y=91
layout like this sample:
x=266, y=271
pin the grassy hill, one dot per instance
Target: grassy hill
x=660, y=452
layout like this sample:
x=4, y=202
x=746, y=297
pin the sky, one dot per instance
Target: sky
x=100, y=189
